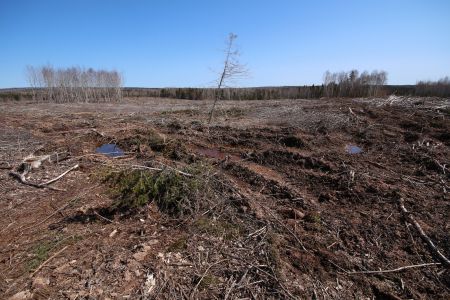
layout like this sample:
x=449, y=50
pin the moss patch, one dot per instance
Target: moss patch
x=179, y=245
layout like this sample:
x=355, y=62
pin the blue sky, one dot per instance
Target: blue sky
x=178, y=43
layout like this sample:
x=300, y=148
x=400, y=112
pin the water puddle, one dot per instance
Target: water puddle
x=111, y=150
x=352, y=149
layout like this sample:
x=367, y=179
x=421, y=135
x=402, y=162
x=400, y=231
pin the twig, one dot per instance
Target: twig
x=146, y=168
x=265, y=272
x=155, y=169
x=394, y=270
x=98, y=132
x=62, y=208
x=60, y=176
x=444, y=260
x=204, y=274
x=229, y=290
x=176, y=170
x=290, y=231
x=54, y=213
x=21, y=179
x=102, y=217
x=50, y=258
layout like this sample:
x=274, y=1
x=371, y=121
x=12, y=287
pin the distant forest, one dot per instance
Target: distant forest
x=335, y=85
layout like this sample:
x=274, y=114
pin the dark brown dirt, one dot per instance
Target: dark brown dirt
x=295, y=212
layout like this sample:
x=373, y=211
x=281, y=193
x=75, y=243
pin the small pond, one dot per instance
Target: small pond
x=352, y=149
x=111, y=150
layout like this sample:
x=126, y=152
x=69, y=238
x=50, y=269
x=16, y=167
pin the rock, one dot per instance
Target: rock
x=40, y=282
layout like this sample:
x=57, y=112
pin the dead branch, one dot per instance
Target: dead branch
x=60, y=176
x=288, y=293
x=50, y=258
x=74, y=199
x=290, y=231
x=176, y=170
x=204, y=274
x=54, y=213
x=146, y=168
x=102, y=217
x=229, y=290
x=22, y=179
x=155, y=169
x=98, y=132
x=444, y=260
x=394, y=270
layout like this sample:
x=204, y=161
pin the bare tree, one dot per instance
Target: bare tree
x=353, y=84
x=75, y=84
x=232, y=69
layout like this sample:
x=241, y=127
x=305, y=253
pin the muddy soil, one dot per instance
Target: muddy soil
x=308, y=200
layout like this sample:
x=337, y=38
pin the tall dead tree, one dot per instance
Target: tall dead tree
x=232, y=69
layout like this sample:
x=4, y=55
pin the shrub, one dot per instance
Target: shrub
x=173, y=193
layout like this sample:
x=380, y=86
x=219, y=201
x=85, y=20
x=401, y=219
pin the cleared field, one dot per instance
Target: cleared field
x=276, y=199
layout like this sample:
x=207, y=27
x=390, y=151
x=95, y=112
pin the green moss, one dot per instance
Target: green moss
x=207, y=282
x=313, y=218
x=39, y=254
x=178, y=245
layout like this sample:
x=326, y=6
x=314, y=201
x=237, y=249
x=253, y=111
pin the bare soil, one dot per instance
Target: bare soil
x=296, y=213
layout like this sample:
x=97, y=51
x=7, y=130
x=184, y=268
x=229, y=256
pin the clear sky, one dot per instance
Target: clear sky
x=178, y=43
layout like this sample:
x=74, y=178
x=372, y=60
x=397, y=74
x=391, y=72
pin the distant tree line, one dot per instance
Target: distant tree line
x=341, y=84
x=440, y=88
x=258, y=93
x=88, y=85
x=354, y=84
x=74, y=84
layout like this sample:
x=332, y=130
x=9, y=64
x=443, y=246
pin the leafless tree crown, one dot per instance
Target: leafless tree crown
x=440, y=88
x=354, y=84
x=74, y=84
x=232, y=70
